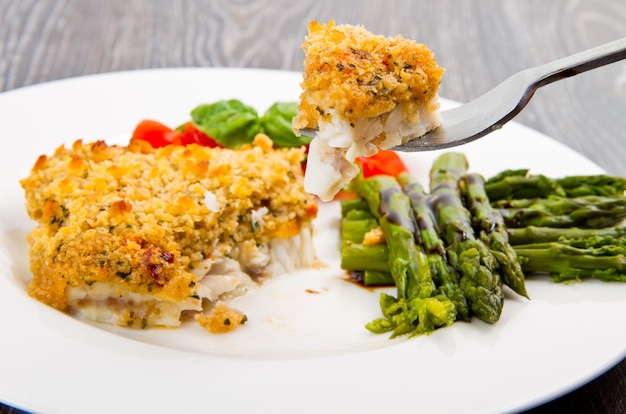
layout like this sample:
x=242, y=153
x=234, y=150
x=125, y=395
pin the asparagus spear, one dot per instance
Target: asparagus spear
x=602, y=185
x=368, y=264
x=358, y=257
x=532, y=234
x=445, y=275
x=596, y=254
x=415, y=309
x=514, y=184
x=356, y=204
x=489, y=225
x=391, y=207
x=480, y=282
x=584, y=211
x=400, y=315
x=597, y=257
x=372, y=277
x=353, y=229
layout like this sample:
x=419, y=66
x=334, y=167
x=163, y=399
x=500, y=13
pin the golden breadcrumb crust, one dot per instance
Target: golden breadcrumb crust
x=374, y=237
x=140, y=217
x=221, y=318
x=358, y=74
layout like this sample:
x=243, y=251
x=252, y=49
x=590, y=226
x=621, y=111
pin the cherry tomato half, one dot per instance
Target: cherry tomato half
x=192, y=135
x=160, y=135
x=384, y=162
x=157, y=134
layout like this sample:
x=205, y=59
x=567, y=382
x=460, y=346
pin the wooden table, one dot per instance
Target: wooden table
x=480, y=43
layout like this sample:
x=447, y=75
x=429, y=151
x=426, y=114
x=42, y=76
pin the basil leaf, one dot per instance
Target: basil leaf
x=276, y=123
x=229, y=122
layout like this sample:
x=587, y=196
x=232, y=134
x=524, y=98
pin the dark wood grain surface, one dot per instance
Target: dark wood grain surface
x=480, y=43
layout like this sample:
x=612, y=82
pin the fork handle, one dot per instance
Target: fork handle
x=578, y=63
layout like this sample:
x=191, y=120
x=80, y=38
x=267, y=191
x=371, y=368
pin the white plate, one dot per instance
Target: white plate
x=304, y=348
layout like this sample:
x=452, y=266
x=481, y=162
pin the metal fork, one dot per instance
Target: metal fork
x=498, y=106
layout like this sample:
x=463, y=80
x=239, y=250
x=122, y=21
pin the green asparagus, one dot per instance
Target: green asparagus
x=361, y=259
x=601, y=185
x=489, y=225
x=447, y=279
x=415, y=310
x=401, y=314
x=357, y=204
x=584, y=211
x=480, y=282
x=600, y=257
x=354, y=228
x=532, y=234
x=372, y=277
x=408, y=264
x=358, y=257
x=515, y=184
x=448, y=252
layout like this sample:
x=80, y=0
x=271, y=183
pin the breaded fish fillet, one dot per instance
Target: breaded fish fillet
x=135, y=236
x=362, y=92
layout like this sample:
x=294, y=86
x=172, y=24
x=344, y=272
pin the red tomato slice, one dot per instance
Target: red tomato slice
x=306, y=154
x=384, y=162
x=160, y=135
x=192, y=135
x=156, y=133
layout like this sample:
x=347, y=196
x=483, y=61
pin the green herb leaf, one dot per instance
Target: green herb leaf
x=230, y=122
x=276, y=123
